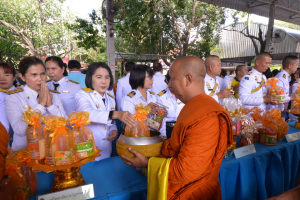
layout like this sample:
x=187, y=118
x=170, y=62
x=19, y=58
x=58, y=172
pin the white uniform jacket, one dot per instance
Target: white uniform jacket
x=3, y=118
x=67, y=89
x=89, y=100
x=18, y=101
x=252, y=90
x=159, y=83
x=174, y=107
x=135, y=98
x=123, y=88
x=212, y=87
x=293, y=89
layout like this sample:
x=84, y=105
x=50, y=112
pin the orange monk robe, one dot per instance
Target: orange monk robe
x=4, y=139
x=199, y=140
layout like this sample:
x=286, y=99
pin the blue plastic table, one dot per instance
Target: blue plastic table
x=269, y=172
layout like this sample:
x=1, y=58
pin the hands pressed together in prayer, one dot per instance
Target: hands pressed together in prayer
x=45, y=96
x=139, y=160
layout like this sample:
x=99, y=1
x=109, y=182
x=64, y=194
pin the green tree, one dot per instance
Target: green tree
x=36, y=25
x=11, y=52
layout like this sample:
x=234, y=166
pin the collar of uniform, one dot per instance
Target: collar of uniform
x=74, y=72
x=255, y=71
x=98, y=95
x=61, y=81
x=208, y=77
x=12, y=88
x=158, y=74
x=169, y=94
x=33, y=94
x=139, y=95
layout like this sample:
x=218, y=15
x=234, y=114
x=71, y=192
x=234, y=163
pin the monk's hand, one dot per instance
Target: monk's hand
x=139, y=160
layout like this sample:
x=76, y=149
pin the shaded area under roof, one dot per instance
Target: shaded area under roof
x=138, y=57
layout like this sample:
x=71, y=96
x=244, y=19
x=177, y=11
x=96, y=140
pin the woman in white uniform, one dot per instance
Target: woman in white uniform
x=101, y=105
x=56, y=70
x=35, y=94
x=168, y=99
x=141, y=80
x=7, y=76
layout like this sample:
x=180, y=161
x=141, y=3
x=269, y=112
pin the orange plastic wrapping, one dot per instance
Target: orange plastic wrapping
x=35, y=133
x=276, y=90
x=84, y=142
x=256, y=113
x=246, y=111
x=48, y=120
x=141, y=129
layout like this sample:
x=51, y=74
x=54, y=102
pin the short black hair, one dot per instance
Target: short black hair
x=290, y=59
x=223, y=72
x=168, y=77
x=59, y=62
x=138, y=75
x=129, y=66
x=275, y=72
x=27, y=62
x=91, y=71
x=157, y=67
x=74, y=64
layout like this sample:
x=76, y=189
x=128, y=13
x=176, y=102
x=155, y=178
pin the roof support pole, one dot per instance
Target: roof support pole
x=270, y=28
x=110, y=40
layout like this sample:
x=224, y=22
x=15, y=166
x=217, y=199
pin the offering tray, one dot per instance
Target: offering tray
x=297, y=124
x=67, y=176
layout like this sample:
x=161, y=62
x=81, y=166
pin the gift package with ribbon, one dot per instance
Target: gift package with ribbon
x=35, y=133
x=48, y=120
x=276, y=90
x=141, y=129
x=82, y=135
x=154, y=121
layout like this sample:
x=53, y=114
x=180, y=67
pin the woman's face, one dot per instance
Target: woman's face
x=101, y=80
x=54, y=71
x=34, y=77
x=148, y=82
x=6, y=79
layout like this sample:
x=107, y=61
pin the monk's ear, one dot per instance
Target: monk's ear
x=188, y=78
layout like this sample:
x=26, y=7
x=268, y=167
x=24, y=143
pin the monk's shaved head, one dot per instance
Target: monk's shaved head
x=191, y=65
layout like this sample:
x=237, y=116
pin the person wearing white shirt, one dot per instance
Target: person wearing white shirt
x=289, y=65
x=67, y=88
x=159, y=83
x=252, y=90
x=212, y=86
x=141, y=80
x=3, y=117
x=35, y=94
x=123, y=86
x=101, y=106
x=294, y=87
x=174, y=106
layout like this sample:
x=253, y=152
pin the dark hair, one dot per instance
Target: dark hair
x=129, y=66
x=157, y=67
x=138, y=75
x=275, y=72
x=74, y=64
x=168, y=77
x=290, y=59
x=59, y=62
x=27, y=62
x=223, y=72
x=8, y=68
x=91, y=71
x=268, y=73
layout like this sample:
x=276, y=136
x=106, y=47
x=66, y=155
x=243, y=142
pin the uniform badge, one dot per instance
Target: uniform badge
x=207, y=84
x=247, y=78
x=66, y=91
x=256, y=78
x=249, y=73
x=25, y=107
x=284, y=76
x=179, y=102
x=112, y=108
x=97, y=105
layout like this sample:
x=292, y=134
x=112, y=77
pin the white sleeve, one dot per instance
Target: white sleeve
x=119, y=96
x=245, y=93
x=128, y=105
x=57, y=107
x=96, y=116
x=113, y=127
x=3, y=118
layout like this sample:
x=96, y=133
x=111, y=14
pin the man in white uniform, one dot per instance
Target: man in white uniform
x=123, y=86
x=159, y=83
x=289, y=65
x=212, y=86
x=294, y=87
x=252, y=90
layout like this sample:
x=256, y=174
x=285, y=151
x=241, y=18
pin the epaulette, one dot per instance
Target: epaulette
x=162, y=92
x=249, y=73
x=152, y=93
x=15, y=91
x=73, y=81
x=49, y=80
x=2, y=90
x=88, y=90
x=131, y=94
x=110, y=95
x=55, y=91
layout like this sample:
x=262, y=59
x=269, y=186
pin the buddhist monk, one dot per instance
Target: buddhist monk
x=4, y=139
x=199, y=139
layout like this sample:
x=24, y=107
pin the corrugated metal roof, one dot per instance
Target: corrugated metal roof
x=286, y=10
x=235, y=44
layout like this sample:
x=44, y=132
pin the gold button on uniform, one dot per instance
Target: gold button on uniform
x=104, y=128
